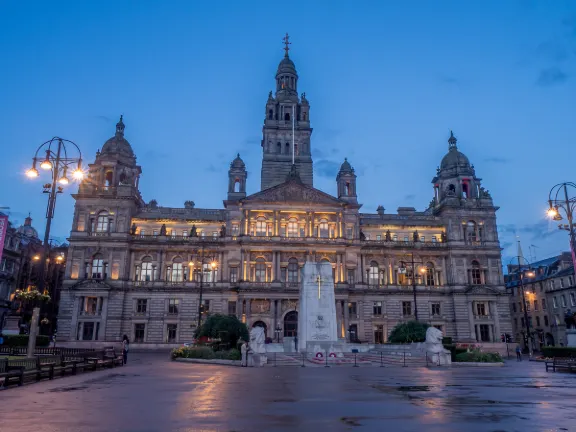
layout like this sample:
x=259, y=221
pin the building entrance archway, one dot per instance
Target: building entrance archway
x=291, y=324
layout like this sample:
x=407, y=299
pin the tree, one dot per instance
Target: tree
x=224, y=326
x=411, y=331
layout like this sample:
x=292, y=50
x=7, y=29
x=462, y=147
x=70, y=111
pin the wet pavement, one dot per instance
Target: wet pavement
x=154, y=394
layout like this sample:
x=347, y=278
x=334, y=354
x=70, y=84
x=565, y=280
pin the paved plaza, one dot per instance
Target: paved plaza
x=154, y=394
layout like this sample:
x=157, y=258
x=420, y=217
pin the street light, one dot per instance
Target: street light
x=421, y=270
x=530, y=274
x=213, y=266
x=59, y=157
x=556, y=203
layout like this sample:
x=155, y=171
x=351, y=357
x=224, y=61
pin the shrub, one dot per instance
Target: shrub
x=22, y=340
x=559, y=352
x=479, y=357
x=225, y=327
x=411, y=331
x=447, y=340
x=454, y=350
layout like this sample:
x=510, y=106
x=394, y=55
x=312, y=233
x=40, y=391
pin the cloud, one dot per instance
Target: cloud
x=326, y=168
x=496, y=159
x=552, y=51
x=450, y=80
x=539, y=230
x=551, y=76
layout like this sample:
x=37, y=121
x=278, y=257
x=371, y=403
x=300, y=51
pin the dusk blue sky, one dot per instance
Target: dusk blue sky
x=386, y=82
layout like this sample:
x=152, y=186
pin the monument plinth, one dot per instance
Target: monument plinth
x=317, y=325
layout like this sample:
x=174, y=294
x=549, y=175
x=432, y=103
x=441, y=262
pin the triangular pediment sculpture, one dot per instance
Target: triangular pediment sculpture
x=293, y=191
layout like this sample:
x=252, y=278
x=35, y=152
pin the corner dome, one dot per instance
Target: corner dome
x=118, y=144
x=346, y=167
x=238, y=163
x=286, y=65
x=454, y=159
x=27, y=229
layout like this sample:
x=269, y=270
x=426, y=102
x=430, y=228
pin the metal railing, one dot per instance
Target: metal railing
x=327, y=359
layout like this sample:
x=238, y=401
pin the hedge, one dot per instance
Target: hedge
x=205, y=353
x=22, y=340
x=408, y=332
x=454, y=350
x=559, y=351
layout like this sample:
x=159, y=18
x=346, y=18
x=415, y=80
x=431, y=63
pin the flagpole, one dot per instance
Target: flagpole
x=292, y=134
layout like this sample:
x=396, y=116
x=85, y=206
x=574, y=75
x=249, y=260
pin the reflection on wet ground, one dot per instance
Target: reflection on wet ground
x=155, y=394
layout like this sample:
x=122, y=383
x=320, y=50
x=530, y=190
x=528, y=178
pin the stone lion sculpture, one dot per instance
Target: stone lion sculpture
x=257, y=356
x=434, y=348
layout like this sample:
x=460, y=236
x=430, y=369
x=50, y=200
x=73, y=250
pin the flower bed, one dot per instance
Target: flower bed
x=478, y=357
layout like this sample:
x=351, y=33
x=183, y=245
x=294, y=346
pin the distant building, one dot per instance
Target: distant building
x=550, y=295
x=135, y=268
x=17, y=270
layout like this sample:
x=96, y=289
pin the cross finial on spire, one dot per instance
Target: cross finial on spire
x=287, y=42
x=452, y=141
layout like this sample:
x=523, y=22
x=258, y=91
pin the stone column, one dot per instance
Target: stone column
x=346, y=320
x=496, y=318
x=239, y=302
x=278, y=272
x=312, y=217
x=248, y=312
x=337, y=272
x=75, y=313
x=103, y=318
x=471, y=320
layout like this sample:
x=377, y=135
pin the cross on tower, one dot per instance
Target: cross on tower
x=286, y=40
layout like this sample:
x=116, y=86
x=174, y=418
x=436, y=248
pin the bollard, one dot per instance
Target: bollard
x=355, y=364
x=303, y=356
x=404, y=363
x=326, y=355
x=381, y=359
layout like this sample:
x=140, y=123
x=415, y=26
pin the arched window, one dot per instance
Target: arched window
x=292, y=230
x=429, y=279
x=292, y=270
x=451, y=190
x=295, y=149
x=476, y=273
x=270, y=114
x=260, y=274
x=237, y=185
x=471, y=233
x=465, y=191
x=374, y=274
x=279, y=148
x=177, y=270
x=286, y=116
x=108, y=179
x=146, y=271
x=261, y=226
x=347, y=188
x=97, y=267
x=287, y=151
x=102, y=222
x=304, y=116
x=323, y=228
x=210, y=274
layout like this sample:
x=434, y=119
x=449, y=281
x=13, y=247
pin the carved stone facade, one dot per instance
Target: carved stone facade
x=138, y=269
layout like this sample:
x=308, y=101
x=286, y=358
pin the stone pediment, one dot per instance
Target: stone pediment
x=479, y=290
x=293, y=192
x=91, y=284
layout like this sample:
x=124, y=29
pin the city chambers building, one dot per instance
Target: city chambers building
x=136, y=268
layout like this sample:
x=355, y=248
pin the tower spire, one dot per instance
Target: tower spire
x=452, y=141
x=287, y=42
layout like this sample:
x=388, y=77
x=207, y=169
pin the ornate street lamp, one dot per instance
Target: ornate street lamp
x=58, y=157
x=525, y=270
x=421, y=270
x=213, y=266
x=558, y=200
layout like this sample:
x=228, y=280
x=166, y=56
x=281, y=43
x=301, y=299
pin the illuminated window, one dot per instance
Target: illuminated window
x=476, y=273
x=323, y=228
x=373, y=274
x=97, y=267
x=177, y=271
x=429, y=275
x=261, y=227
x=292, y=270
x=292, y=228
x=260, y=270
x=146, y=271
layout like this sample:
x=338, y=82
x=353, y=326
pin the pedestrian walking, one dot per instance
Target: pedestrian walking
x=518, y=353
x=125, y=348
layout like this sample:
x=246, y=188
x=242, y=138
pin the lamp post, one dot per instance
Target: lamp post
x=213, y=266
x=59, y=160
x=558, y=199
x=421, y=270
x=529, y=273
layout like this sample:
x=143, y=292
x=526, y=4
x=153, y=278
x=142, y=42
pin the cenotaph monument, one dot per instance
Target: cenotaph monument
x=317, y=325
